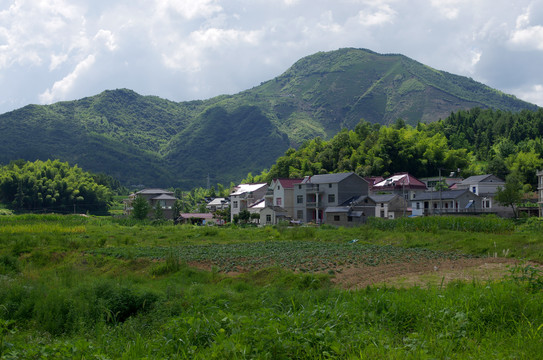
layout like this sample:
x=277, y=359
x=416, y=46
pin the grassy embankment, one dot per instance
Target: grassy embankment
x=76, y=287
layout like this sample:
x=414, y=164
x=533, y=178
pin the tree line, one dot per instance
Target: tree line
x=53, y=186
x=475, y=141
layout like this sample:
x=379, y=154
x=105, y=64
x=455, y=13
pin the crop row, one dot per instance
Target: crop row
x=309, y=256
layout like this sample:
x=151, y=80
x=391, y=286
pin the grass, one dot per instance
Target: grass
x=126, y=290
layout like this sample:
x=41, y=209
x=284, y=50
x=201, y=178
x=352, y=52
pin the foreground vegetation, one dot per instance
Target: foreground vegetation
x=88, y=287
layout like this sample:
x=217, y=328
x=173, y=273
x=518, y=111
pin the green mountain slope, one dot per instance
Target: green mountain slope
x=156, y=142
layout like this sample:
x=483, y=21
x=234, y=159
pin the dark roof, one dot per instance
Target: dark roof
x=435, y=195
x=481, y=178
x=382, y=198
x=327, y=178
x=154, y=191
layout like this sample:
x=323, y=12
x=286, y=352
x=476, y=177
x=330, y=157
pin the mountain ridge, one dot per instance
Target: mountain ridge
x=157, y=142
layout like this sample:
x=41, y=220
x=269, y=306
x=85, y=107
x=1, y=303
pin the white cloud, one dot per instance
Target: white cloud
x=450, y=9
x=188, y=9
x=62, y=87
x=524, y=36
x=186, y=50
x=533, y=94
x=373, y=17
x=107, y=37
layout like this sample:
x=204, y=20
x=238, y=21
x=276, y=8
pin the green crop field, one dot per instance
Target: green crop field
x=75, y=287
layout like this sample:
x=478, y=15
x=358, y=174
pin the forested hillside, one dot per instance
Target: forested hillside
x=475, y=141
x=155, y=142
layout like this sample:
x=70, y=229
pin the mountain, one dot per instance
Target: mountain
x=156, y=142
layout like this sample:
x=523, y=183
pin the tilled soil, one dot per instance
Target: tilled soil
x=425, y=273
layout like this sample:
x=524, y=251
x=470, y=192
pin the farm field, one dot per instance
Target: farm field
x=74, y=287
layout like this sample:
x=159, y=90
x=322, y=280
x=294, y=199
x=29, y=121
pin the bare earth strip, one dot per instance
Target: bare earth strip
x=424, y=274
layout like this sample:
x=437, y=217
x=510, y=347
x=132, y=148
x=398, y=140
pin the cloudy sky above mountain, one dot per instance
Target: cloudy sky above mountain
x=53, y=50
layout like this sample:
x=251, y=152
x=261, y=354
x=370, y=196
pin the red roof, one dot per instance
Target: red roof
x=400, y=180
x=288, y=183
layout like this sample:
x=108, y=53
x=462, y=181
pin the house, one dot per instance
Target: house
x=390, y=206
x=271, y=214
x=316, y=193
x=486, y=186
x=356, y=211
x=446, y=202
x=283, y=194
x=403, y=184
x=431, y=182
x=244, y=196
x=218, y=204
x=164, y=198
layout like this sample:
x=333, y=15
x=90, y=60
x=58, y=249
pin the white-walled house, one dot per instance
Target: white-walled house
x=283, y=194
x=446, y=202
x=486, y=186
x=244, y=196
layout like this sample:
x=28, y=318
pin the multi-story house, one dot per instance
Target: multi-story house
x=316, y=193
x=244, y=196
x=283, y=194
x=403, y=184
x=164, y=198
x=486, y=186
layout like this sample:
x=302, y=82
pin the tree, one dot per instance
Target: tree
x=140, y=208
x=177, y=208
x=244, y=216
x=511, y=194
x=158, y=213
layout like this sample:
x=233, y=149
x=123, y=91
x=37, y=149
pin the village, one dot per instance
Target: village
x=346, y=199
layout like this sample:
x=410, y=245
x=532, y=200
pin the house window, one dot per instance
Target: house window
x=336, y=217
x=300, y=187
x=350, y=218
x=300, y=199
x=278, y=201
x=268, y=218
x=235, y=204
x=474, y=189
x=331, y=198
x=382, y=204
x=418, y=206
x=278, y=187
x=300, y=214
x=330, y=186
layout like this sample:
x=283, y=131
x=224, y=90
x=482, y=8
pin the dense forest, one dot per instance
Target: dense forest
x=475, y=141
x=54, y=186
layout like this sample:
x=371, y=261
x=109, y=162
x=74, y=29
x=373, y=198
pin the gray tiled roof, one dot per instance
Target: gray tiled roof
x=481, y=178
x=435, y=195
x=327, y=178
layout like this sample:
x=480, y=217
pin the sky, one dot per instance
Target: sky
x=56, y=50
